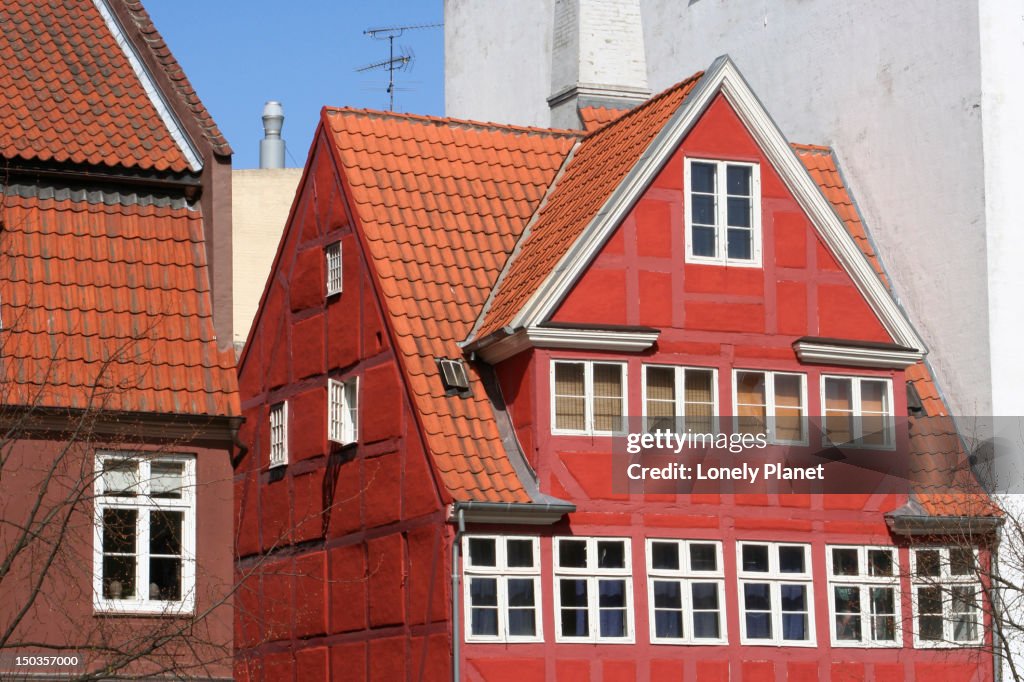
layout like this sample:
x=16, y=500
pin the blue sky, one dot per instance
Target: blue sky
x=304, y=54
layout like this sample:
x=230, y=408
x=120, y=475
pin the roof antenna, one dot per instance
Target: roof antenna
x=392, y=63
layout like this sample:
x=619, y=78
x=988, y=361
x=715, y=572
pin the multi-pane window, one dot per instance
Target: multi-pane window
x=502, y=586
x=686, y=591
x=279, y=434
x=332, y=254
x=343, y=410
x=593, y=590
x=679, y=399
x=857, y=411
x=771, y=402
x=588, y=397
x=775, y=593
x=947, y=596
x=723, y=218
x=864, y=597
x=144, y=542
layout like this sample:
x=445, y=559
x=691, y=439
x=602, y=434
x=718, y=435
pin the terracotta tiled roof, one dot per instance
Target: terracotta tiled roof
x=69, y=94
x=593, y=118
x=944, y=485
x=106, y=305
x=441, y=204
x=597, y=167
x=156, y=44
x=821, y=165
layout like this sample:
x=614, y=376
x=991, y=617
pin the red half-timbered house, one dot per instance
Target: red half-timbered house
x=460, y=318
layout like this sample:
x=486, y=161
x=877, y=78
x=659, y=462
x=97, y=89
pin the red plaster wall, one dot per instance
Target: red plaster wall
x=62, y=613
x=342, y=551
x=725, y=318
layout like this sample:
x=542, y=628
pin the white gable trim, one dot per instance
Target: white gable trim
x=576, y=339
x=724, y=77
x=855, y=356
x=170, y=121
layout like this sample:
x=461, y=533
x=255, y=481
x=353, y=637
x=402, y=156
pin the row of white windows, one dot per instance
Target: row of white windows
x=590, y=398
x=342, y=419
x=593, y=593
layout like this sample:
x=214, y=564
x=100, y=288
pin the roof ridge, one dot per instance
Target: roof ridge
x=425, y=118
x=154, y=42
x=646, y=104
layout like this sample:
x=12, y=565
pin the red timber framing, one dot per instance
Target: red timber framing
x=464, y=534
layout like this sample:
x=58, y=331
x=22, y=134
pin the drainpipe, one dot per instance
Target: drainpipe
x=456, y=635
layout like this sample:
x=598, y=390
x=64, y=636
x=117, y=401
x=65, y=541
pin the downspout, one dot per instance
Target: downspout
x=997, y=606
x=456, y=635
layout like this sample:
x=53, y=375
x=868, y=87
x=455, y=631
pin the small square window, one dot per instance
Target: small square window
x=332, y=254
x=723, y=212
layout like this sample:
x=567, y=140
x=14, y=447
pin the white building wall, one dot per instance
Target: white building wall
x=498, y=60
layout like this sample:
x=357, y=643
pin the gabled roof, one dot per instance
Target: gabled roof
x=441, y=204
x=105, y=305
x=593, y=201
x=73, y=88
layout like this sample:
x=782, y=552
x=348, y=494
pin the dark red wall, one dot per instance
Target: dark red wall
x=342, y=555
x=62, y=614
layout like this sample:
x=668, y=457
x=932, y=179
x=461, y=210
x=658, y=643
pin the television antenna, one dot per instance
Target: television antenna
x=402, y=62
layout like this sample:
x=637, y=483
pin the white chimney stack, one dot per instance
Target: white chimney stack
x=597, y=58
x=272, y=146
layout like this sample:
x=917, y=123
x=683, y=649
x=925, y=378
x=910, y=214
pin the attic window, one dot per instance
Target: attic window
x=332, y=254
x=453, y=374
x=723, y=212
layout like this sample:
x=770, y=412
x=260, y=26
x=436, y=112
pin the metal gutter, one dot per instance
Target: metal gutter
x=913, y=525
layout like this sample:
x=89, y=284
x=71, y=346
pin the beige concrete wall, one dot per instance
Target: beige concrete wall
x=261, y=199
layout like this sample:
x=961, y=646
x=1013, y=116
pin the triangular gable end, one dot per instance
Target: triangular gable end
x=723, y=77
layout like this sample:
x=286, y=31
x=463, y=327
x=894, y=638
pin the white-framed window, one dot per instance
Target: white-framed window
x=343, y=410
x=686, y=591
x=588, y=397
x=947, y=596
x=144, y=533
x=857, y=411
x=771, y=402
x=680, y=398
x=723, y=212
x=332, y=256
x=776, y=595
x=279, y=434
x=593, y=590
x=501, y=579
x=864, y=596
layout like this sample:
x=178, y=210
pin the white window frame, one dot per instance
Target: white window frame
x=332, y=270
x=944, y=581
x=770, y=407
x=864, y=582
x=501, y=572
x=858, y=426
x=142, y=503
x=686, y=576
x=593, y=575
x=588, y=398
x=680, y=389
x=278, y=451
x=775, y=579
x=343, y=410
x=721, y=215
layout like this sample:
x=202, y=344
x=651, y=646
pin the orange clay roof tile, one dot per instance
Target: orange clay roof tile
x=427, y=191
x=598, y=165
x=68, y=92
x=89, y=320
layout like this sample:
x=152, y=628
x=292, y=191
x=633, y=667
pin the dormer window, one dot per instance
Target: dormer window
x=723, y=212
